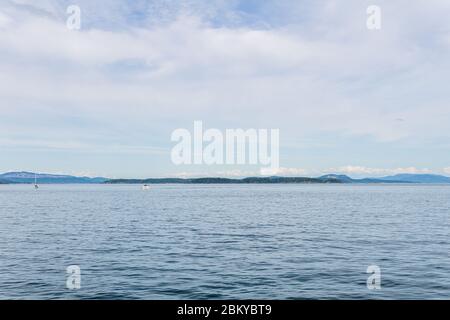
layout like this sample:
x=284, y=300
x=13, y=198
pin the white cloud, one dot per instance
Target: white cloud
x=358, y=170
x=249, y=70
x=4, y=20
x=326, y=75
x=283, y=171
x=239, y=173
x=234, y=173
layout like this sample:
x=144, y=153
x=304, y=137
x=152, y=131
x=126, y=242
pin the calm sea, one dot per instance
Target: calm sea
x=225, y=241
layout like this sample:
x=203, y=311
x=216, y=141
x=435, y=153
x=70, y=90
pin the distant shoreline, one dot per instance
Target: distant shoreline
x=30, y=178
x=249, y=180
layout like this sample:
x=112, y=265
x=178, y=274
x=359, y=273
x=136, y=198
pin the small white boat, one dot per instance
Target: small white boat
x=145, y=187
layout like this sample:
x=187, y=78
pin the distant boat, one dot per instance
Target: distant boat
x=145, y=187
x=35, y=182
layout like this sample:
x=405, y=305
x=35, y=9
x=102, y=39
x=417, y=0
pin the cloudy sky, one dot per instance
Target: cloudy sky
x=104, y=100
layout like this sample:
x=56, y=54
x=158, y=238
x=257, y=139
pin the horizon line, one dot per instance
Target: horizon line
x=236, y=177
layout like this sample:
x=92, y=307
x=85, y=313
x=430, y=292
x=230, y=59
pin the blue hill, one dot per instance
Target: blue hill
x=28, y=177
x=418, y=178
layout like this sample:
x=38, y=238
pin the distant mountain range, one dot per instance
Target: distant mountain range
x=418, y=178
x=42, y=178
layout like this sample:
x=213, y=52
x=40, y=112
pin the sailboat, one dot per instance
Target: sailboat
x=35, y=182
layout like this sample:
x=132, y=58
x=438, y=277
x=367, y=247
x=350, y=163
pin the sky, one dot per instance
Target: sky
x=103, y=100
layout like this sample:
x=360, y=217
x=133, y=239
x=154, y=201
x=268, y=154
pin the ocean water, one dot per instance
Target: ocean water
x=225, y=241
